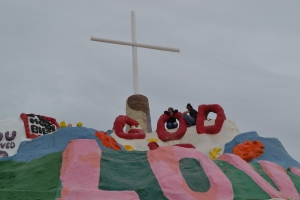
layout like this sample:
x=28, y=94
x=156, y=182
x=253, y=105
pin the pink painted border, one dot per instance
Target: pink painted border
x=245, y=167
x=295, y=170
x=280, y=178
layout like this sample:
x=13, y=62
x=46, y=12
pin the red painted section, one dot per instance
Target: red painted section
x=203, y=111
x=52, y=120
x=135, y=131
x=163, y=134
x=152, y=145
x=26, y=126
x=187, y=145
x=119, y=124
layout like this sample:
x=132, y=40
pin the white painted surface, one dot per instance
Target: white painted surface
x=136, y=89
x=146, y=46
x=134, y=45
x=14, y=124
x=202, y=142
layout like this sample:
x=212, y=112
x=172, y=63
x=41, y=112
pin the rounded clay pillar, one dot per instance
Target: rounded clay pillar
x=137, y=107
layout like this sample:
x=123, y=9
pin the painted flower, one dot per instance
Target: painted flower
x=249, y=150
x=213, y=154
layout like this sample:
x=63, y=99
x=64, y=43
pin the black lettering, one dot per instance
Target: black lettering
x=53, y=128
x=3, y=154
x=12, y=145
x=2, y=145
x=12, y=137
x=34, y=129
x=40, y=130
x=45, y=131
x=50, y=129
x=42, y=123
x=42, y=119
x=34, y=121
x=1, y=136
x=7, y=145
x=31, y=120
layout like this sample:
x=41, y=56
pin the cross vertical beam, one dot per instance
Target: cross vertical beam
x=134, y=56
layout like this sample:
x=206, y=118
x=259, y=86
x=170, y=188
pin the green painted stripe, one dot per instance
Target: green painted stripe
x=244, y=187
x=194, y=175
x=295, y=179
x=257, y=167
x=37, y=179
x=129, y=170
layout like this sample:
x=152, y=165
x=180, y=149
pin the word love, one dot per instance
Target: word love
x=164, y=163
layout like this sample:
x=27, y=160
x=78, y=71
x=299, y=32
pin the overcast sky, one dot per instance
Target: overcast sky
x=243, y=55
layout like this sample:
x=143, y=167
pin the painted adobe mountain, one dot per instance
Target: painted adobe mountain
x=212, y=160
x=67, y=163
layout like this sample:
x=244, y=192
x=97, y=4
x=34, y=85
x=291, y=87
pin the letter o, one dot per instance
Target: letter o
x=172, y=182
x=163, y=134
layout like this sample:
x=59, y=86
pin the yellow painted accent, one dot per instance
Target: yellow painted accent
x=62, y=124
x=152, y=140
x=79, y=124
x=128, y=147
x=213, y=154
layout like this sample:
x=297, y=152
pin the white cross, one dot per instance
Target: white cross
x=134, y=45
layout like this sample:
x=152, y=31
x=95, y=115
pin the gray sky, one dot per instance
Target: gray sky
x=243, y=55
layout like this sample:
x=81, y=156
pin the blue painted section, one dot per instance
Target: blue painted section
x=58, y=141
x=109, y=132
x=273, y=151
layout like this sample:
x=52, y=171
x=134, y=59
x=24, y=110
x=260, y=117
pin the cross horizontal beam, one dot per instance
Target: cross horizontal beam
x=135, y=44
